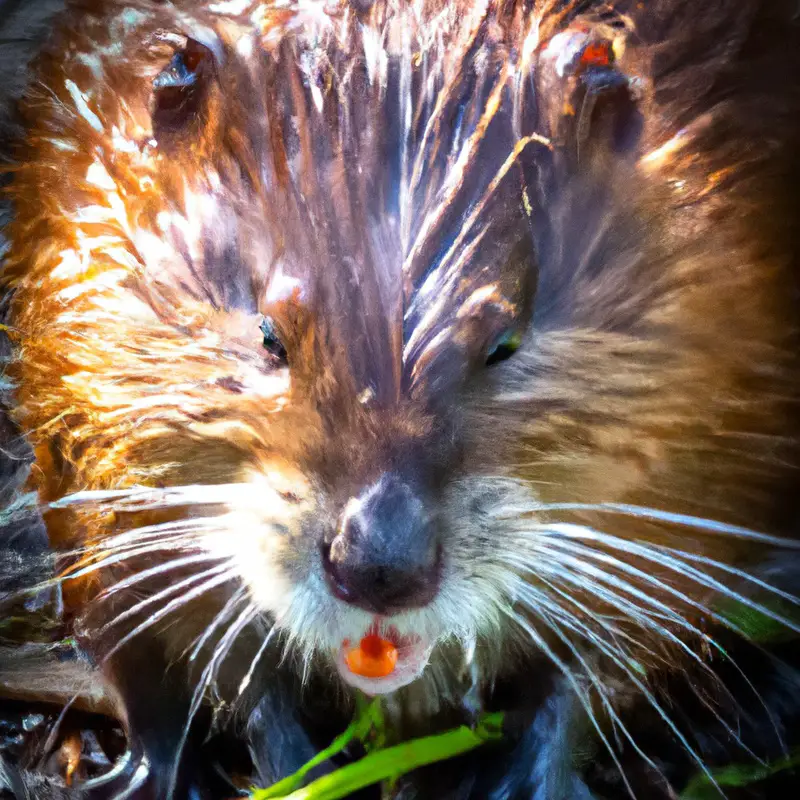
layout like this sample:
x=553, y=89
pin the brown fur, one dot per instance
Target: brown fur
x=659, y=359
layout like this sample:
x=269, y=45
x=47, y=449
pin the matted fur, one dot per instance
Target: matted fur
x=398, y=185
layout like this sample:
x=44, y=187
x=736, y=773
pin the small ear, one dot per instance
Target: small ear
x=607, y=112
x=590, y=103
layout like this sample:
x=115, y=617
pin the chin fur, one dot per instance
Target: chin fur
x=398, y=188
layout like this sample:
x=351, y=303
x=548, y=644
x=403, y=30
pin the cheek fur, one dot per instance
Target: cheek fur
x=267, y=536
x=611, y=481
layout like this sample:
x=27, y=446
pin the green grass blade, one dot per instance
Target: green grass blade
x=359, y=728
x=391, y=763
x=736, y=775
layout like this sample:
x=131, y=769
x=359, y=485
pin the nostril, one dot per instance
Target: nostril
x=336, y=580
x=381, y=589
x=385, y=556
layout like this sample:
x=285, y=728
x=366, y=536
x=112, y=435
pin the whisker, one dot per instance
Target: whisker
x=646, y=619
x=634, y=612
x=654, y=704
x=224, y=614
x=622, y=566
x=165, y=530
x=727, y=727
x=685, y=520
x=254, y=663
x=599, y=619
x=541, y=605
x=145, y=498
x=163, y=594
x=583, y=630
x=579, y=692
x=104, y=563
x=739, y=573
x=69, y=575
x=170, y=607
x=628, y=588
x=138, y=577
x=94, y=554
x=94, y=561
x=655, y=555
x=208, y=675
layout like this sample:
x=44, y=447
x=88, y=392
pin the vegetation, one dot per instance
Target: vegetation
x=381, y=764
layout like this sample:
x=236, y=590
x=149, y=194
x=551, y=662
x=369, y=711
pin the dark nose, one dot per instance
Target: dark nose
x=385, y=557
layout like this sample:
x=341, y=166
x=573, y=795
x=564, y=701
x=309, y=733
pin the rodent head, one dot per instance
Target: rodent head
x=289, y=258
x=257, y=276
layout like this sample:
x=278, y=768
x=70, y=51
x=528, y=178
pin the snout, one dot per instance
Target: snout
x=386, y=556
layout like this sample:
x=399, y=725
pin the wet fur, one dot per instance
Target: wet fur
x=659, y=368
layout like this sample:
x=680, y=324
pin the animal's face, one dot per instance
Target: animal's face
x=285, y=264
x=302, y=243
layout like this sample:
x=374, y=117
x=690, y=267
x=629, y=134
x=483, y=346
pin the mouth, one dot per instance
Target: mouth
x=383, y=660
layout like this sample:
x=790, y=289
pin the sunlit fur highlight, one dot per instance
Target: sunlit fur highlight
x=615, y=478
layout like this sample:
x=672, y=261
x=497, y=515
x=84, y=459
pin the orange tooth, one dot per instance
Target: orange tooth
x=373, y=658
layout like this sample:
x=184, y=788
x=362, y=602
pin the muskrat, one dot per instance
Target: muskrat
x=471, y=324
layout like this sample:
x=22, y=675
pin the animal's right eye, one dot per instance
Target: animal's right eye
x=272, y=344
x=178, y=88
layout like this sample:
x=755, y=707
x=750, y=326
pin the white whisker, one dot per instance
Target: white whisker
x=170, y=607
x=739, y=573
x=245, y=682
x=648, y=695
x=633, y=611
x=568, y=674
x=549, y=561
x=628, y=588
x=656, y=555
x=169, y=566
x=541, y=605
x=209, y=673
x=602, y=645
x=104, y=563
x=164, y=593
x=599, y=619
x=141, y=498
x=685, y=520
x=224, y=614
x=135, y=536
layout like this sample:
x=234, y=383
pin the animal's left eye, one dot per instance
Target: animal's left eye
x=272, y=344
x=504, y=348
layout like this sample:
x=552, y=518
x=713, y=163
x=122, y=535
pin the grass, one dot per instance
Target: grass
x=387, y=764
x=736, y=776
x=756, y=625
x=380, y=764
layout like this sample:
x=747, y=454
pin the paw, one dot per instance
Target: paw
x=137, y=778
x=131, y=777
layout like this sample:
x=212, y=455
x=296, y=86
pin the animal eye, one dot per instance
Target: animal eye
x=505, y=348
x=178, y=88
x=272, y=344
